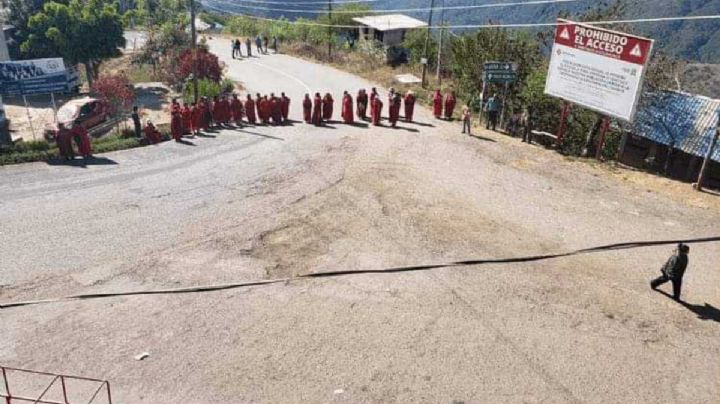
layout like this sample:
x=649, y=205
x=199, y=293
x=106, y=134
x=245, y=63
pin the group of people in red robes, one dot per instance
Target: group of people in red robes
x=449, y=104
x=270, y=110
x=64, y=138
x=319, y=110
x=205, y=114
x=222, y=111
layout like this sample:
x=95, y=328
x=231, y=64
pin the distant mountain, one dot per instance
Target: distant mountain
x=697, y=41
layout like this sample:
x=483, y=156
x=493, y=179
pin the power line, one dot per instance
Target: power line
x=484, y=26
x=401, y=10
x=309, y=2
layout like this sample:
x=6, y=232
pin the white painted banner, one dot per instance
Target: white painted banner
x=597, y=68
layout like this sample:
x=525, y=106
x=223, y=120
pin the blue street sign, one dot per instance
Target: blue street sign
x=38, y=76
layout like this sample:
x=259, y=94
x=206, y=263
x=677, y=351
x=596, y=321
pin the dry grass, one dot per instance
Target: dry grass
x=373, y=69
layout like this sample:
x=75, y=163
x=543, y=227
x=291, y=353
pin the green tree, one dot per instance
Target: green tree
x=79, y=32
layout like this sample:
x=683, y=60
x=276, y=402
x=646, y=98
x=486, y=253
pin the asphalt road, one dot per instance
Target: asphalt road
x=263, y=203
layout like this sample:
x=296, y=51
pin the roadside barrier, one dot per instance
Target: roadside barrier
x=31, y=386
x=416, y=268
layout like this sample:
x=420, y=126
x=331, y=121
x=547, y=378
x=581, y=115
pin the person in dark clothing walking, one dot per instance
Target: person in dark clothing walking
x=673, y=270
x=136, y=122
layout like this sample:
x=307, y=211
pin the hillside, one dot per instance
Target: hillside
x=698, y=41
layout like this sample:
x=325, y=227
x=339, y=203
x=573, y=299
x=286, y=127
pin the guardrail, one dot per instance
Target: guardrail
x=19, y=394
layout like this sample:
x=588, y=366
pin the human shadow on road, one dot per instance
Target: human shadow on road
x=82, y=162
x=206, y=135
x=413, y=130
x=359, y=124
x=704, y=312
x=426, y=125
x=261, y=135
x=325, y=126
x=186, y=142
x=487, y=139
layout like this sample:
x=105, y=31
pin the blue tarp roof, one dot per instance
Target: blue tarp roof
x=686, y=121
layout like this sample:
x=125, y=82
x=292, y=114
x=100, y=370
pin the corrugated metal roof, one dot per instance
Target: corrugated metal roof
x=390, y=22
x=686, y=121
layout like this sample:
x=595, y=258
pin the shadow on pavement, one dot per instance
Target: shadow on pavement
x=413, y=130
x=487, y=139
x=360, y=124
x=427, y=125
x=186, y=142
x=205, y=135
x=261, y=135
x=83, y=162
x=704, y=312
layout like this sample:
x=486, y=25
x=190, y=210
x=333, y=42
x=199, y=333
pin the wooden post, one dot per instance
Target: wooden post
x=623, y=144
x=504, y=104
x=427, y=44
x=442, y=32
x=564, y=113
x=193, y=38
x=708, y=158
x=601, y=139
x=330, y=38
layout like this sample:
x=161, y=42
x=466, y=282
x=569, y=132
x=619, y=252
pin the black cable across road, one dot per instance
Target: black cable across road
x=335, y=274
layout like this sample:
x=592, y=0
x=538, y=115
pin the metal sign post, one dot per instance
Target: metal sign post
x=27, y=109
x=52, y=98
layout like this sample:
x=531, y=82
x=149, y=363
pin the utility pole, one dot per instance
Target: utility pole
x=708, y=158
x=427, y=42
x=330, y=35
x=440, y=43
x=193, y=35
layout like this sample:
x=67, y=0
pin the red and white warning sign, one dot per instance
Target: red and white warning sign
x=598, y=68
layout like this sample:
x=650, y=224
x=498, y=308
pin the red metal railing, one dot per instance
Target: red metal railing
x=13, y=396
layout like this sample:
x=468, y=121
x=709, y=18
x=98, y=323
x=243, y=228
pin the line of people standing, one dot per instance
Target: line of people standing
x=222, y=111
x=319, y=109
x=261, y=46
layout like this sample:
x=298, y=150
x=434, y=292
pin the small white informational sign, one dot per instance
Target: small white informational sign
x=598, y=68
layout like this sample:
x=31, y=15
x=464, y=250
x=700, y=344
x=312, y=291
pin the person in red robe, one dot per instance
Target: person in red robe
x=207, y=113
x=362, y=104
x=409, y=106
x=437, y=104
x=275, y=110
x=327, y=107
x=186, y=114
x=394, y=108
x=236, y=110
x=317, y=110
x=347, y=108
x=373, y=94
x=225, y=112
x=285, y=103
x=258, y=106
x=176, y=125
x=376, y=108
x=216, y=111
x=151, y=133
x=82, y=139
x=63, y=138
x=450, y=102
x=391, y=106
x=250, y=110
x=307, y=109
x=265, y=107
x=197, y=116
